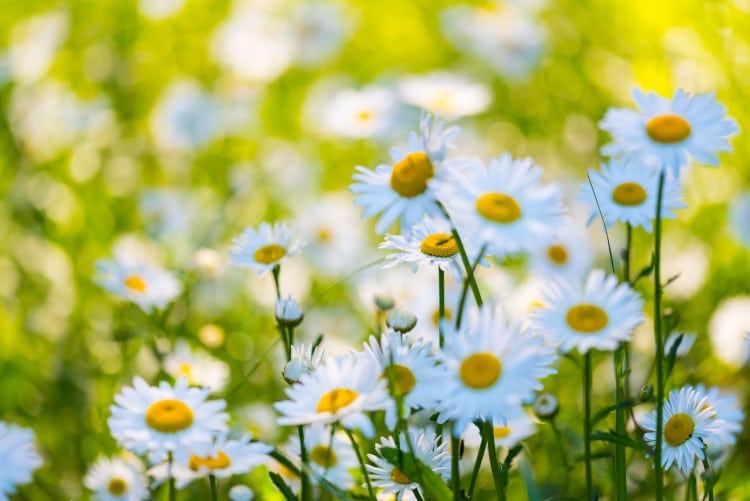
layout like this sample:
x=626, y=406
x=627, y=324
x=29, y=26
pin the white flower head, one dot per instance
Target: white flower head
x=18, y=457
x=304, y=360
x=117, y=479
x=330, y=455
x=288, y=312
x=241, y=493
x=546, y=406
x=569, y=255
x=401, y=320
x=186, y=118
x=516, y=428
x=448, y=95
x=728, y=330
x=146, y=285
x=199, y=367
x=356, y=113
x=263, y=249
x=727, y=410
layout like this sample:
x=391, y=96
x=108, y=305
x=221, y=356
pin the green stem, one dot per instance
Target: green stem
x=361, y=463
x=455, y=474
x=214, y=490
x=659, y=344
x=276, y=272
x=477, y=467
x=305, y=479
x=468, y=267
x=465, y=291
x=621, y=467
x=709, y=486
x=691, y=494
x=497, y=474
x=563, y=451
x=172, y=489
x=441, y=302
x=587, y=424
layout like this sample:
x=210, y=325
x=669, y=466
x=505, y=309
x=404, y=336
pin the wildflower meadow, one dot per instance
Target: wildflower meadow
x=374, y=250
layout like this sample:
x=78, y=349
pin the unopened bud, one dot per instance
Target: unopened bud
x=288, y=312
x=384, y=303
x=304, y=360
x=401, y=320
x=647, y=393
x=546, y=406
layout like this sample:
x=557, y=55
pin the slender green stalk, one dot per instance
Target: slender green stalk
x=497, y=474
x=562, y=447
x=172, y=489
x=469, y=269
x=709, y=486
x=276, y=272
x=304, y=477
x=604, y=224
x=455, y=474
x=477, y=467
x=587, y=424
x=361, y=464
x=659, y=344
x=441, y=302
x=691, y=493
x=465, y=290
x=214, y=490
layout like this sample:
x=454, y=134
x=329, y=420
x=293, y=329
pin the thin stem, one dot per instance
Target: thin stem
x=465, y=290
x=709, y=487
x=468, y=267
x=441, y=302
x=361, y=463
x=563, y=451
x=587, y=424
x=305, y=479
x=455, y=474
x=172, y=489
x=477, y=467
x=659, y=344
x=276, y=272
x=604, y=224
x=497, y=474
x=691, y=493
x=214, y=490
x=620, y=366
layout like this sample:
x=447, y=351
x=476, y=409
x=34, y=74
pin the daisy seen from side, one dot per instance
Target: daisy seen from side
x=449, y=95
x=146, y=285
x=117, y=479
x=264, y=248
x=516, y=428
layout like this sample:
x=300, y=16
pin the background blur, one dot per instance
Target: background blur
x=164, y=127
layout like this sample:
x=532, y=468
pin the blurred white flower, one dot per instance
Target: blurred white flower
x=688, y=265
x=159, y=9
x=18, y=457
x=331, y=455
x=185, y=118
x=147, y=286
x=568, y=256
x=445, y=94
x=359, y=113
x=117, y=479
x=304, y=360
x=241, y=493
x=739, y=218
x=320, y=29
x=34, y=44
x=728, y=328
x=199, y=367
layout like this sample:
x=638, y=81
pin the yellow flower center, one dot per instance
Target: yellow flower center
x=186, y=370
x=324, y=234
x=501, y=431
x=324, y=456
x=447, y=314
x=678, y=429
x=442, y=101
x=557, y=254
x=220, y=462
x=135, y=283
x=629, y=194
x=399, y=476
x=498, y=207
x=269, y=253
x=439, y=245
x=668, y=128
x=409, y=176
x=587, y=318
x=169, y=416
x=403, y=379
x=335, y=400
x=364, y=115
x=117, y=486
x=480, y=370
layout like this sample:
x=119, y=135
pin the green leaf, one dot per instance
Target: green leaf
x=432, y=484
x=671, y=356
x=624, y=404
x=614, y=438
x=282, y=486
x=645, y=271
x=512, y=453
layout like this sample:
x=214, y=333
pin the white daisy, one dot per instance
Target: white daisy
x=415, y=372
x=426, y=307
x=241, y=493
x=451, y=96
x=627, y=192
x=330, y=456
x=689, y=421
x=429, y=243
x=515, y=429
x=199, y=367
x=341, y=390
x=402, y=190
x=503, y=206
x=598, y=314
x=185, y=118
x=263, y=249
x=320, y=28
x=364, y=113
x=727, y=410
x=391, y=479
x=665, y=132
x=728, y=330
x=569, y=255
x=492, y=367
x=146, y=285
x=117, y=479
x=162, y=419
x=18, y=457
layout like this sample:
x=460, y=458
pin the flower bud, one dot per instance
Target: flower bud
x=401, y=320
x=546, y=406
x=647, y=393
x=288, y=312
x=384, y=303
x=303, y=361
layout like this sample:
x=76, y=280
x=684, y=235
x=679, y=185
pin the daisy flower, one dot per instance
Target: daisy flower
x=429, y=243
x=162, y=419
x=392, y=480
x=492, y=366
x=146, y=285
x=263, y=249
x=18, y=457
x=341, y=390
x=445, y=94
x=727, y=410
x=331, y=456
x=415, y=372
x=689, y=421
x=503, y=206
x=515, y=429
x=598, y=314
x=356, y=113
x=241, y=493
x=569, y=255
x=628, y=191
x=199, y=367
x=117, y=479
x=667, y=132
x=402, y=190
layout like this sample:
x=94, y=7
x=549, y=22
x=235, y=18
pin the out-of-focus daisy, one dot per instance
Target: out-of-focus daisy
x=727, y=410
x=667, y=132
x=687, y=267
x=241, y=493
x=426, y=307
x=359, y=113
x=686, y=343
x=569, y=255
x=689, y=422
x=145, y=285
x=627, y=192
x=224, y=459
x=117, y=479
x=416, y=376
x=199, y=367
x=447, y=95
x=320, y=29
x=503, y=206
x=331, y=457
x=341, y=390
x=263, y=249
x=598, y=314
x=515, y=429
x=392, y=480
x=159, y=9
x=304, y=360
x=162, y=419
x=546, y=406
x=739, y=218
x=492, y=366
x=34, y=43
x=429, y=243
x=18, y=457
x=185, y=118
x=728, y=328
x=402, y=190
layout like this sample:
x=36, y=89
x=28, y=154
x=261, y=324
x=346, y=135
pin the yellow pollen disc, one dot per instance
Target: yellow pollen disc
x=364, y=115
x=480, y=370
x=269, y=253
x=169, y=416
x=324, y=456
x=442, y=101
x=135, y=283
x=409, y=176
x=668, y=129
x=629, y=194
x=399, y=476
x=678, y=429
x=501, y=431
x=587, y=318
x=117, y=486
x=557, y=254
x=335, y=400
x=498, y=207
x=324, y=234
x=439, y=245
x=220, y=462
x=447, y=314
x=403, y=379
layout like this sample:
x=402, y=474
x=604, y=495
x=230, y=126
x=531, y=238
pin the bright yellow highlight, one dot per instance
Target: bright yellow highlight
x=135, y=283
x=220, y=462
x=269, y=253
x=169, y=416
x=335, y=400
x=498, y=207
x=117, y=486
x=678, y=429
x=399, y=476
x=439, y=245
x=447, y=314
x=587, y=318
x=480, y=370
x=501, y=431
x=629, y=194
x=668, y=129
x=324, y=456
x=409, y=176
x=403, y=379
x=557, y=254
